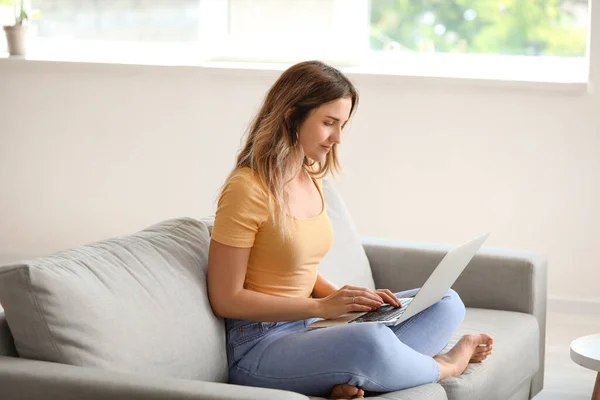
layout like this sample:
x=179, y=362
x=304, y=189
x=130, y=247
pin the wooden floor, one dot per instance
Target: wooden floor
x=563, y=379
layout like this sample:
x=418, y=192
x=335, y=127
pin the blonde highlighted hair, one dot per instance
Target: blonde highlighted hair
x=272, y=149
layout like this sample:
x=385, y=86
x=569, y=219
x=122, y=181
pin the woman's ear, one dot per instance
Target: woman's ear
x=288, y=118
x=288, y=113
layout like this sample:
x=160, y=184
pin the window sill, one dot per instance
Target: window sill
x=546, y=74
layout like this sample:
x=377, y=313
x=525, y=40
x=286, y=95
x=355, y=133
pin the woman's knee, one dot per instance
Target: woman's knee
x=371, y=343
x=454, y=304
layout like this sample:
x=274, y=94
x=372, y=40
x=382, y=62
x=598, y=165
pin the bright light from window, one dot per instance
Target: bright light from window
x=507, y=27
x=549, y=36
x=123, y=20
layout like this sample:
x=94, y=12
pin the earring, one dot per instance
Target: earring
x=297, y=139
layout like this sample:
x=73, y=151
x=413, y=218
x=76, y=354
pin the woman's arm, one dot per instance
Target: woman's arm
x=243, y=208
x=227, y=267
x=226, y=273
x=323, y=287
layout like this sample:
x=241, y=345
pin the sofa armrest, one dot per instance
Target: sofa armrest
x=495, y=279
x=40, y=380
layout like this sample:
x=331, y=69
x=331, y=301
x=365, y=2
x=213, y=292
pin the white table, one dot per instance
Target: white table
x=585, y=351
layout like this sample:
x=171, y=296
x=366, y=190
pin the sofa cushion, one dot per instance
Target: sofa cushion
x=135, y=303
x=514, y=360
x=506, y=372
x=346, y=261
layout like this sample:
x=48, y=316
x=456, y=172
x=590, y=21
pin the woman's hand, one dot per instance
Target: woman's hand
x=348, y=299
x=388, y=297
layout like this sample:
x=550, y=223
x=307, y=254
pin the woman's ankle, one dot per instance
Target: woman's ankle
x=445, y=367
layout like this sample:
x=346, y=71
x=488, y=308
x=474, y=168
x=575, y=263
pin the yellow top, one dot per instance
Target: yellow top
x=276, y=266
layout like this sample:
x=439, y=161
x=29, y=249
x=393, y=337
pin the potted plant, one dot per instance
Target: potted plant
x=16, y=35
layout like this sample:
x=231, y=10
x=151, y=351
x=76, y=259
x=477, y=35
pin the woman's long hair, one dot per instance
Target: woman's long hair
x=272, y=149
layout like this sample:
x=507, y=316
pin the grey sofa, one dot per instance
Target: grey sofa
x=128, y=317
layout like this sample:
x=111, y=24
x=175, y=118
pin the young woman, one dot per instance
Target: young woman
x=271, y=230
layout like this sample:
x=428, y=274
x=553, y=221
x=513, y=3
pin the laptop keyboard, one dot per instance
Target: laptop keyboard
x=384, y=313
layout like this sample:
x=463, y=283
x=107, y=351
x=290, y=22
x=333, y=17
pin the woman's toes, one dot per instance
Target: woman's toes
x=346, y=391
x=481, y=350
x=350, y=390
x=478, y=357
x=486, y=339
x=338, y=392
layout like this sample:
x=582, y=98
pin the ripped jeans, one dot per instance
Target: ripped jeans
x=374, y=357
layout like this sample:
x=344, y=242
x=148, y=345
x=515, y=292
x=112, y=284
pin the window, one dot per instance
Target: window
x=508, y=27
x=293, y=30
x=389, y=34
x=521, y=40
x=123, y=20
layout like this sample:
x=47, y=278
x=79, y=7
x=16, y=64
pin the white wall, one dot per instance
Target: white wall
x=92, y=151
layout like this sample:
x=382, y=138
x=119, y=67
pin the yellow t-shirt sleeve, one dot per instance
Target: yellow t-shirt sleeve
x=241, y=210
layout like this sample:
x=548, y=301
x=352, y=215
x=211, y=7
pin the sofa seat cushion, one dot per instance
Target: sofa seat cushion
x=514, y=360
x=135, y=303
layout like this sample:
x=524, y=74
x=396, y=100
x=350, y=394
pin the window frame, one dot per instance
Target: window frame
x=421, y=68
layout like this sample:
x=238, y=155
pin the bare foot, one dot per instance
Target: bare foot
x=469, y=349
x=345, y=391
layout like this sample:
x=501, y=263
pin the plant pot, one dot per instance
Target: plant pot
x=16, y=38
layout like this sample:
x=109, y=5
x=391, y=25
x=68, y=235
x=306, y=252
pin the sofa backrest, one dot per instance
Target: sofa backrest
x=346, y=262
x=136, y=303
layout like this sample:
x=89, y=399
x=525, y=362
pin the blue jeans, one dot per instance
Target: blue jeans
x=374, y=357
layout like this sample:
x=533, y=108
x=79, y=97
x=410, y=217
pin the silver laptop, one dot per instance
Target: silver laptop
x=437, y=285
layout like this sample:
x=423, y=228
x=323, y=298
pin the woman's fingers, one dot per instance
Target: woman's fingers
x=374, y=292
x=361, y=289
x=361, y=293
x=366, y=301
x=389, y=297
x=357, y=297
x=374, y=296
x=366, y=295
x=370, y=293
x=359, y=307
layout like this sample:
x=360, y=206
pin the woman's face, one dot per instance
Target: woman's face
x=322, y=129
